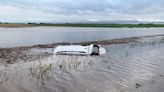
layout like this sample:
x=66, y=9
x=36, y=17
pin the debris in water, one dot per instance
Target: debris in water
x=138, y=85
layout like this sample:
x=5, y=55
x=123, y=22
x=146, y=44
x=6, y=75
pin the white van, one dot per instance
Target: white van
x=79, y=50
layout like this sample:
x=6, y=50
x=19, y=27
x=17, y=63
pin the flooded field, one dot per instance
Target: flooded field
x=130, y=67
x=13, y=37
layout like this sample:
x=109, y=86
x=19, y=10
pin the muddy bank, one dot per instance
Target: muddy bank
x=10, y=56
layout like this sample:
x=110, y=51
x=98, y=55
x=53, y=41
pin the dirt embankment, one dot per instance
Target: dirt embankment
x=103, y=42
x=12, y=55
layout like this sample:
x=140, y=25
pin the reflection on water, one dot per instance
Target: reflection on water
x=136, y=67
x=11, y=37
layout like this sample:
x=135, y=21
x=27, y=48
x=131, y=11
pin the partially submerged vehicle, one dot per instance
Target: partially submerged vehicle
x=79, y=50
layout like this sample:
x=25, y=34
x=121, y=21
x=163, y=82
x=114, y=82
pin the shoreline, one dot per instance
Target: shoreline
x=22, y=25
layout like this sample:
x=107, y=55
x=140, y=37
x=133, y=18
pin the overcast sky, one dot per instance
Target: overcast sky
x=80, y=10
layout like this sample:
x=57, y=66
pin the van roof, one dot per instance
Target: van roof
x=74, y=48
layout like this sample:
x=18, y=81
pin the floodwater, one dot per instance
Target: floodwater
x=12, y=37
x=135, y=67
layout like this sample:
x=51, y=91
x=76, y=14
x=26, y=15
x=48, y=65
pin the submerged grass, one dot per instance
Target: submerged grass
x=40, y=70
x=138, y=85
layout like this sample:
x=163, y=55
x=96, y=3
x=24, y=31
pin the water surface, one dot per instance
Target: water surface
x=135, y=67
x=12, y=37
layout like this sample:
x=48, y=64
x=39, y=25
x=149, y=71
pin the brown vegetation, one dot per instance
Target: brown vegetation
x=16, y=25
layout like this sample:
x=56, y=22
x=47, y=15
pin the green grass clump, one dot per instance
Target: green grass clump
x=105, y=25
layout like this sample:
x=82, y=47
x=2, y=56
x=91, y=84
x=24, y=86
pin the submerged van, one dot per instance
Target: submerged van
x=79, y=50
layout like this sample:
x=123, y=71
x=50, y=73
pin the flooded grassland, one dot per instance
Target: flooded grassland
x=131, y=64
x=128, y=67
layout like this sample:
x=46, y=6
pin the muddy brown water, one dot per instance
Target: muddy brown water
x=133, y=67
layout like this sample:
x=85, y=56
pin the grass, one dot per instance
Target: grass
x=106, y=25
x=14, y=25
x=40, y=70
x=10, y=25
